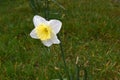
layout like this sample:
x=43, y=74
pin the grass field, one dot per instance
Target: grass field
x=91, y=30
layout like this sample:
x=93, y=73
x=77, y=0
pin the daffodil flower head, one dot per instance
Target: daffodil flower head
x=45, y=30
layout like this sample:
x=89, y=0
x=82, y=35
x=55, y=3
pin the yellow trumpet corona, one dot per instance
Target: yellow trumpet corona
x=44, y=32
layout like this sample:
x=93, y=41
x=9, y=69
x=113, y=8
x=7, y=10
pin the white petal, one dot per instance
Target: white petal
x=47, y=43
x=37, y=20
x=55, y=40
x=55, y=25
x=33, y=34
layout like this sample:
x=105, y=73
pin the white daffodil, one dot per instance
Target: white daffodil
x=45, y=30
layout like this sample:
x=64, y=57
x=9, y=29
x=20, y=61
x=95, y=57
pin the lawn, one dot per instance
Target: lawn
x=90, y=30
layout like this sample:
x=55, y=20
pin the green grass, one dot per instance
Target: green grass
x=91, y=30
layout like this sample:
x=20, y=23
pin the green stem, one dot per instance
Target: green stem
x=85, y=74
x=46, y=9
x=77, y=72
x=63, y=58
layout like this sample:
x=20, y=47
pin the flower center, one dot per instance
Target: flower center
x=43, y=32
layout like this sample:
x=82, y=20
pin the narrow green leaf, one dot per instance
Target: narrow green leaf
x=58, y=4
x=33, y=6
